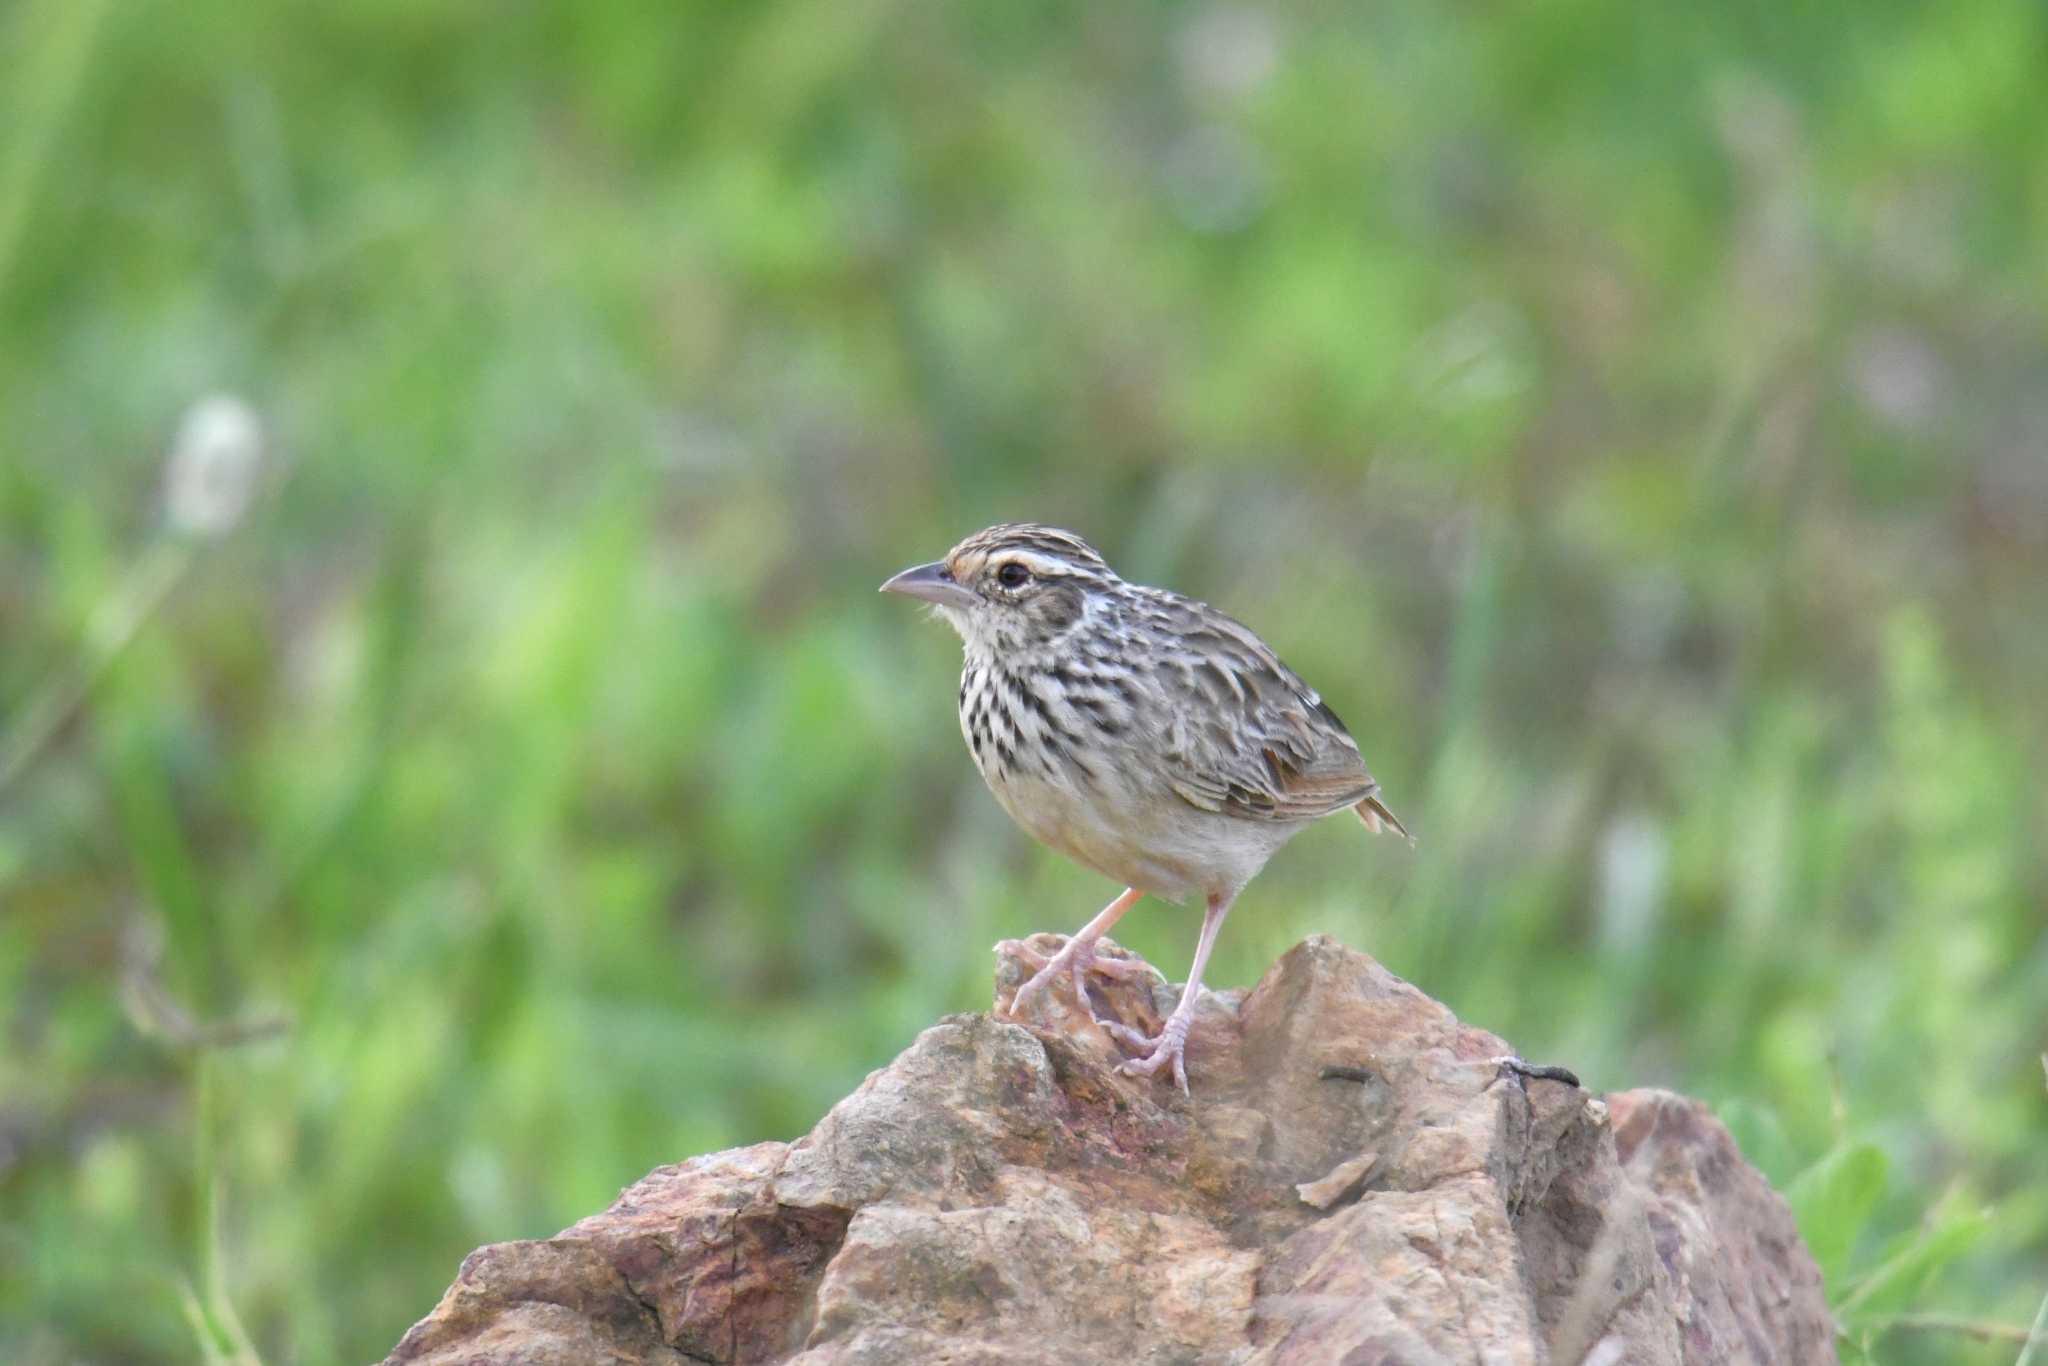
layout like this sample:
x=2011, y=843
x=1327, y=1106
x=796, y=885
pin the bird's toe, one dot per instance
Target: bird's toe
x=1123, y=969
x=1135, y=1040
x=1169, y=1049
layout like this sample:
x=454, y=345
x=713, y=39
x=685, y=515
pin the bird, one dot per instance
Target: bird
x=1144, y=735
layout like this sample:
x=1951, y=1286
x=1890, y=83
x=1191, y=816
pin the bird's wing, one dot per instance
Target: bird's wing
x=1249, y=737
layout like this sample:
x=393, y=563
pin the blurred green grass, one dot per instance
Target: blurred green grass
x=1631, y=418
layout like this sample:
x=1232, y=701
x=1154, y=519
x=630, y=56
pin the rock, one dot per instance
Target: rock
x=1343, y=1181
x=1354, y=1180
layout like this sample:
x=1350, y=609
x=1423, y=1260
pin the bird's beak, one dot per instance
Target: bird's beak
x=932, y=583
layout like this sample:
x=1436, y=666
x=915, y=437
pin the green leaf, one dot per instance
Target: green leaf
x=1913, y=1262
x=1833, y=1201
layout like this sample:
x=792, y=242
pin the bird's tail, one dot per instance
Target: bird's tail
x=1378, y=818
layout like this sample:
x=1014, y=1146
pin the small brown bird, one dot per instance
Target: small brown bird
x=1138, y=732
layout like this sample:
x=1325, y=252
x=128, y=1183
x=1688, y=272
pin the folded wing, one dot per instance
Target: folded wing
x=1264, y=746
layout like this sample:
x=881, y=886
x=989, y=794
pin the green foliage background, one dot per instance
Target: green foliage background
x=1633, y=417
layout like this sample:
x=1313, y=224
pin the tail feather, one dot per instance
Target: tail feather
x=1378, y=818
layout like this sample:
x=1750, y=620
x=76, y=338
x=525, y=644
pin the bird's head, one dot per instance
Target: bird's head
x=1012, y=586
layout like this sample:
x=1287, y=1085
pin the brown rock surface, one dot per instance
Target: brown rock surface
x=1003, y=1194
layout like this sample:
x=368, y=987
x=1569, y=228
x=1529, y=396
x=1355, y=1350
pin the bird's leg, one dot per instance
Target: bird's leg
x=1171, y=1045
x=1077, y=956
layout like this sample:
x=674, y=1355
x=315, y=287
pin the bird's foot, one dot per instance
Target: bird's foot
x=1511, y=1066
x=1169, y=1048
x=1077, y=958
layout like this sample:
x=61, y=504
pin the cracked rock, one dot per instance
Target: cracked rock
x=1001, y=1193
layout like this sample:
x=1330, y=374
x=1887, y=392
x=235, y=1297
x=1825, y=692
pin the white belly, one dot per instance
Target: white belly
x=1141, y=836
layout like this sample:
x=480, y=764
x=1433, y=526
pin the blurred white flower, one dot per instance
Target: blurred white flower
x=1228, y=50
x=210, y=476
x=1635, y=856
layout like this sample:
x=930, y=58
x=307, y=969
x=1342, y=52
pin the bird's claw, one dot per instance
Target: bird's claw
x=1079, y=958
x=1169, y=1047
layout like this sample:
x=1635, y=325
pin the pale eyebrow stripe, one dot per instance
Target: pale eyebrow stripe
x=1040, y=563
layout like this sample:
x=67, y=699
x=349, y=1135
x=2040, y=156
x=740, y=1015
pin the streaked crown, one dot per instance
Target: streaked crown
x=1046, y=551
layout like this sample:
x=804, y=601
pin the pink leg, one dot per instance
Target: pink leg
x=1078, y=956
x=1171, y=1044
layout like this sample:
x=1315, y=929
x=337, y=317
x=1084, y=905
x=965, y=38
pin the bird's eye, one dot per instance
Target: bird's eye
x=1012, y=575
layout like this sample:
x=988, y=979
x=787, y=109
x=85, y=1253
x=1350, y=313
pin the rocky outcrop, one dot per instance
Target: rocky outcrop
x=1354, y=1180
